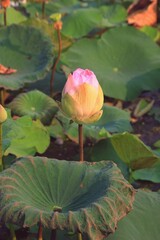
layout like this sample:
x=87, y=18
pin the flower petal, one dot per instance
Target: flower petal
x=71, y=107
x=99, y=101
x=86, y=96
x=90, y=119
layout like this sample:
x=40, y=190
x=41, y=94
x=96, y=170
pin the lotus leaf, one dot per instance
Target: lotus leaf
x=76, y=196
x=133, y=151
x=13, y=16
x=81, y=22
x=23, y=137
x=136, y=160
x=35, y=104
x=28, y=51
x=125, y=61
x=143, y=221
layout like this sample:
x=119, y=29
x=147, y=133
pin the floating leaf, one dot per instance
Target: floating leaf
x=35, y=104
x=35, y=9
x=13, y=16
x=31, y=53
x=81, y=22
x=113, y=14
x=91, y=197
x=113, y=58
x=23, y=137
x=48, y=29
x=143, y=221
x=152, y=32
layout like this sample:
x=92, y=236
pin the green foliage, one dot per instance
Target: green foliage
x=13, y=17
x=115, y=60
x=91, y=197
x=35, y=104
x=113, y=15
x=81, y=22
x=143, y=221
x=31, y=54
x=152, y=32
x=23, y=137
x=133, y=151
x=136, y=160
x=112, y=120
x=47, y=28
x=105, y=150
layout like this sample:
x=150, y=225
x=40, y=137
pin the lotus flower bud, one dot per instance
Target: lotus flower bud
x=82, y=97
x=3, y=114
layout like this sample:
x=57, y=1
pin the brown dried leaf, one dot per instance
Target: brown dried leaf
x=6, y=70
x=143, y=13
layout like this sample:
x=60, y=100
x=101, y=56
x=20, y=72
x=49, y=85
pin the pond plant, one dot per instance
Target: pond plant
x=3, y=117
x=60, y=48
x=94, y=197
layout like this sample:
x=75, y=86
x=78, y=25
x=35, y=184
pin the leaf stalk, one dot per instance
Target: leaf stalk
x=56, y=61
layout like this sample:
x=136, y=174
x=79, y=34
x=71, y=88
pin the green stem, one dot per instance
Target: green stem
x=40, y=235
x=2, y=96
x=12, y=232
x=43, y=9
x=81, y=155
x=1, y=161
x=80, y=134
x=80, y=236
x=5, y=16
x=56, y=62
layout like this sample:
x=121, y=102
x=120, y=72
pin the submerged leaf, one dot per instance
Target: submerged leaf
x=92, y=197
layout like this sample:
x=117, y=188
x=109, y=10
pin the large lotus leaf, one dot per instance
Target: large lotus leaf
x=48, y=29
x=143, y=221
x=35, y=104
x=113, y=120
x=35, y=9
x=13, y=16
x=152, y=32
x=133, y=151
x=23, y=137
x=81, y=22
x=125, y=61
x=27, y=50
x=113, y=14
x=51, y=7
x=77, y=196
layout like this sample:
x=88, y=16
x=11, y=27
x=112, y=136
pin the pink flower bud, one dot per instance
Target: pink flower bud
x=82, y=97
x=3, y=114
